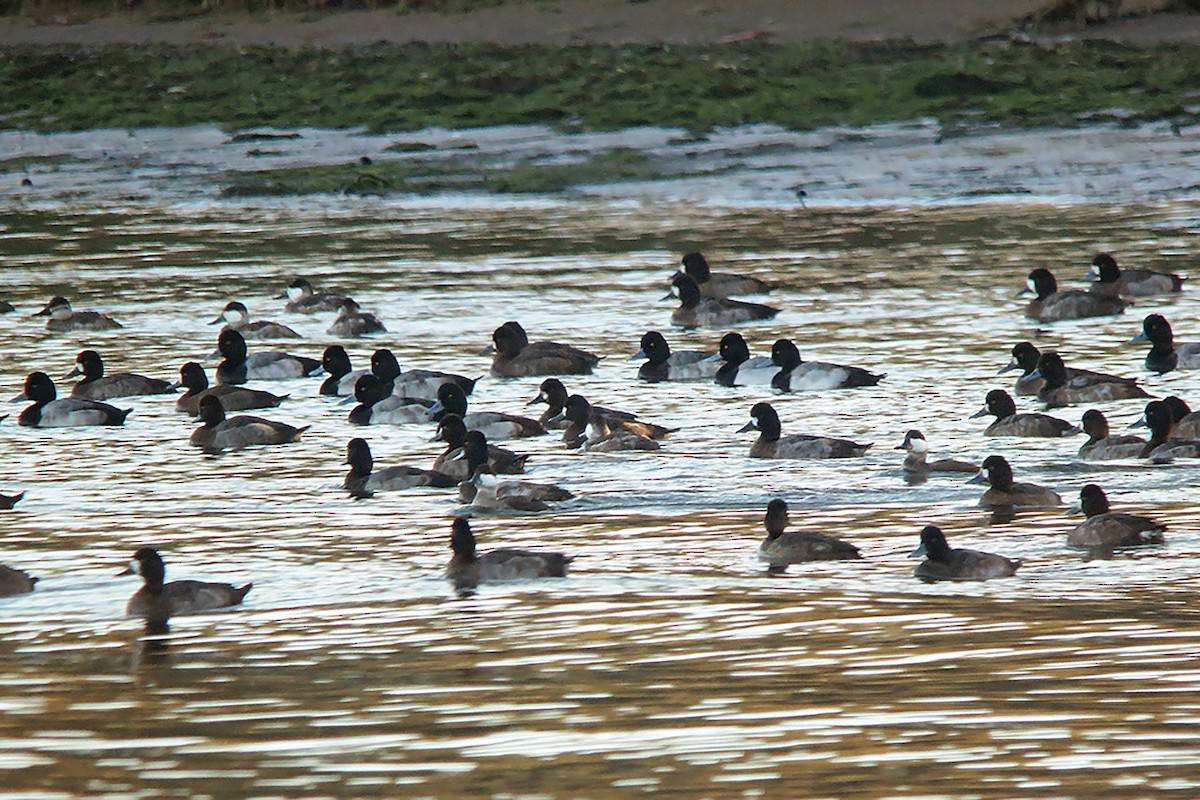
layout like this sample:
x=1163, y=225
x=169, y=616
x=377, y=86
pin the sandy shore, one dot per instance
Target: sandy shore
x=596, y=21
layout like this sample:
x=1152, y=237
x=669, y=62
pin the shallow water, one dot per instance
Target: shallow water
x=669, y=662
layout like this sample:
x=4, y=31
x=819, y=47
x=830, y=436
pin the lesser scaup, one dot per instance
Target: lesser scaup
x=738, y=367
x=1110, y=279
x=1052, y=305
x=696, y=311
x=69, y=412
x=378, y=406
x=1008, y=422
x=364, y=479
x=596, y=431
x=769, y=444
x=233, y=398
x=423, y=383
x=495, y=424
x=782, y=548
x=1005, y=493
x=62, y=318
x=469, y=568
x=237, y=317
x=516, y=356
x=796, y=375
x=1106, y=530
x=15, y=581
x=342, y=376
x=1164, y=444
x=663, y=364
x=1187, y=422
x=475, y=453
x=554, y=394
x=1100, y=446
x=453, y=431
x=1059, y=391
x=217, y=433
x=946, y=563
x=268, y=365
x=303, y=299
x=1025, y=357
x=918, y=450
x=720, y=284
x=1165, y=356
x=98, y=386
x=160, y=601
x=352, y=322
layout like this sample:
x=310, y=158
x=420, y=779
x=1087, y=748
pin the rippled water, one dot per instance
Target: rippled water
x=669, y=662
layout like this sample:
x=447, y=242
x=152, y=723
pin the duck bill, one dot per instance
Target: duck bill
x=434, y=410
x=980, y=477
x=640, y=355
x=1141, y=337
x=22, y=396
x=557, y=418
x=218, y=320
x=1011, y=366
x=1140, y=423
x=45, y=312
x=541, y=398
x=920, y=551
x=73, y=373
x=983, y=412
x=126, y=571
x=749, y=426
x=713, y=359
x=489, y=350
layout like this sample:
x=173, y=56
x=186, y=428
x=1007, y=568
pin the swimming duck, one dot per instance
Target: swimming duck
x=1187, y=422
x=237, y=318
x=739, y=368
x=554, y=394
x=453, y=431
x=98, y=386
x=475, y=453
x=267, y=365
x=1025, y=357
x=592, y=428
x=423, y=383
x=711, y=312
x=1106, y=530
x=1057, y=390
x=720, y=284
x=233, y=398
x=1052, y=305
x=15, y=581
x=918, y=449
x=342, y=377
x=469, y=568
x=303, y=299
x=769, y=444
x=1164, y=444
x=1004, y=493
x=1109, y=279
x=1008, y=422
x=62, y=318
x=515, y=356
x=352, y=322
x=377, y=406
x=160, y=601
x=217, y=433
x=69, y=412
x=796, y=375
x=781, y=548
x=495, y=425
x=1100, y=446
x=946, y=563
x=363, y=479
x=1165, y=355
x=664, y=365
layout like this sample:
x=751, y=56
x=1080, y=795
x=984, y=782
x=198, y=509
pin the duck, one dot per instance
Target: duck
x=1058, y=391
x=69, y=412
x=1187, y=422
x=782, y=548
x=422, y=383
x=1109, y=279
x=663, y=364
x=946, y=563
x=98, y=386
x=160, y=601
x=721, y=284
x=216, y=433
x=378, y=406
x=475, y=453
x=268, y=365
x=62, y=318
x=342, y=376
x=7, y=501
x=468, y=567
x=237, y=317
x=915, y=462
x=1000, y=405
x=1100, y=446
x=1025, y=356
x=303, y=299
x=739, y=368
x=769, y=444
x=1164, y=444
x=1106, y=530
x=515, y=356
x=496, y=425
x=364, y=480
x=15, y=581
x=554, y=394
x=696, y=311
x=233, y=398
x=1165, y=356
x=592, y=428
x=796, y=375
x=453, y=431
x=1051, y=305
x=1005, y=493
x=352, y=322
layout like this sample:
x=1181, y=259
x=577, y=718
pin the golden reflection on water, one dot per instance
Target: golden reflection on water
x=669, y=662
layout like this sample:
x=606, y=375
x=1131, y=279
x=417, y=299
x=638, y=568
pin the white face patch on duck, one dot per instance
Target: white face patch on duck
x=1030, y=285
x=916, y=445
x=232, y=315
x=135, y=567
x=295, y=292
x=1094, y=273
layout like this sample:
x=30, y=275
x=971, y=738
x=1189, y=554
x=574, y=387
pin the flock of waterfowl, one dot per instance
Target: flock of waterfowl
x=472, y=462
